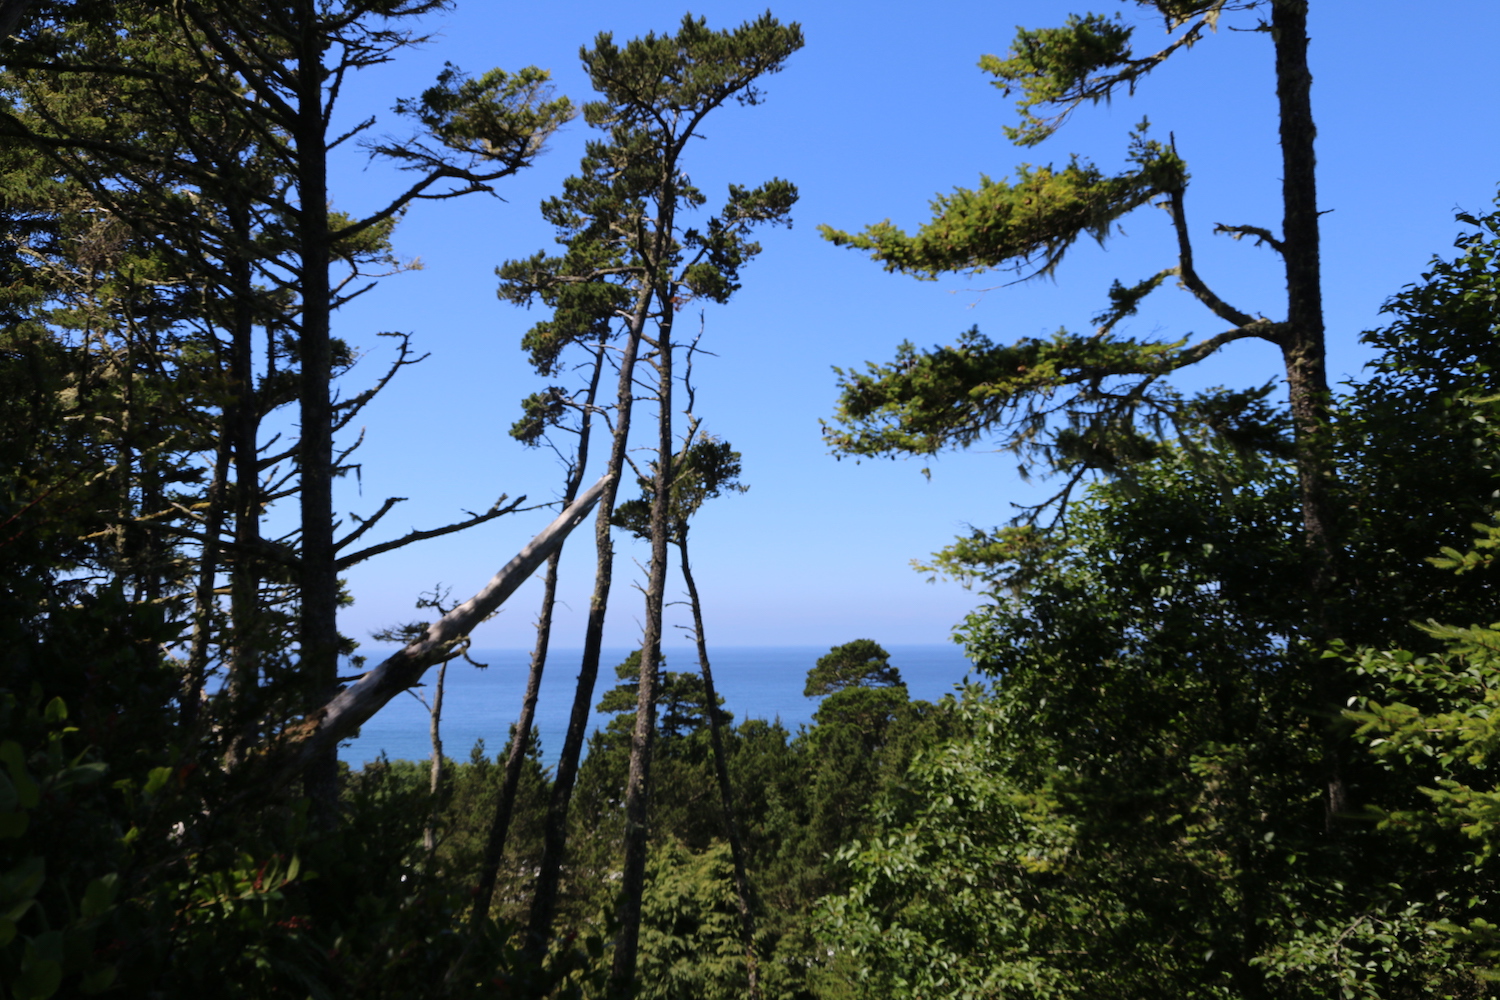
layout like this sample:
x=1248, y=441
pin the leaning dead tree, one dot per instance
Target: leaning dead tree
x=357, y=704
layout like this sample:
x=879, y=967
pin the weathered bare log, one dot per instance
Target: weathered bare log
x=357, y=703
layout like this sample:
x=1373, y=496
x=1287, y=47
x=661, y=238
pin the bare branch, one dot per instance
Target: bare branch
x=355, y=705
x=1263, y=237
x=1189, y=276
x=365, y=524
x=348, y=408
x=1262, y=329
x=272, y=552
x=417, y=536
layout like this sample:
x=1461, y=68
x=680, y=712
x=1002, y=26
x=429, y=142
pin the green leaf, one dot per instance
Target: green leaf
x=157, y=779
x=100, y=894
x=41, y=967
x=26, y=788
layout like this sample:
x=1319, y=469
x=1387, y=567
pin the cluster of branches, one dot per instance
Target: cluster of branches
x=176, y=159
x=176, y=264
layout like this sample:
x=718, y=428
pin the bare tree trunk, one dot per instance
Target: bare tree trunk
x=318, y=632
x=555, y=831
x=638, y=783
x=505, y=805
x=721, y=771
x=1304, y=351
x=356, y=704
x=515, y=758
x=435, y=784
x=1303, y=347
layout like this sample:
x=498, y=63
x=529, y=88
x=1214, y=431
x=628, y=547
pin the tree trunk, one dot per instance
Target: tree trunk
x=318, y=635
x=1303, y=347
x=246, y=641
x=11, y=14
x=435, y=782
x=515, y=758
x=204, y=598
x=638, y=783
x=721, y=772
x=1304, y=351
x=494, y=848
x=356, y=704
x=555, y=831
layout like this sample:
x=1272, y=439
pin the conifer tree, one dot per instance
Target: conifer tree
x=241, y=192
x=1099, y=401
x=633, y=257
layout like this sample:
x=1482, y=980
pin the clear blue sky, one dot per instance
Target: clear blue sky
x=882, y=109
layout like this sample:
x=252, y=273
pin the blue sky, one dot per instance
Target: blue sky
x=875, y=115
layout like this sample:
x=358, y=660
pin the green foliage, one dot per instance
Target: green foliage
x=501, y=116
x=1087, y=59
x=540, y=411
x=1053, y=66
x=682, y=706
x=928, y=912
x=598, y=217
x=861, y=663
x=48, y=932
x=705, y=470
x=1139, y=786
x=1079, y=402
x=1421, y=439
x=1026, y=226
x=1433, y=719
x=1071, y=404
x=690, y=939
x=695, y=69
x=1134, y=806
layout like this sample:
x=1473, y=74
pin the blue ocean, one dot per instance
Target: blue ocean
x=756, y=682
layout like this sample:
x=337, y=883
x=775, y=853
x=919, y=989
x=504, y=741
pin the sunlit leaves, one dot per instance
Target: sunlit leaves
x=1025, y=226
x=1072, y=402
x=1087, y=59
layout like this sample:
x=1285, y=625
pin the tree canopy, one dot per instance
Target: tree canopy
x=1233, y=733
x=861, y=663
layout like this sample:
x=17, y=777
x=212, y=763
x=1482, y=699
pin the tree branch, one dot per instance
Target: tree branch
x=1189, y=276
x=365, y=524
x=1262, y=328
x=272, y=552
x=347, y=409
x=417, y=536
x=1263, y=237
x=356, y=704
x=11, y=12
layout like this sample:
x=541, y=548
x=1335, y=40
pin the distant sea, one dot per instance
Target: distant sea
x=756, y=682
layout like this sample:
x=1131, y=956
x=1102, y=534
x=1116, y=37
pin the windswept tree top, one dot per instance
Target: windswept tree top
x=1095, y=400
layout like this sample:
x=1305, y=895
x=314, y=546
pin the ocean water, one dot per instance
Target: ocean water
x=756, y=682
